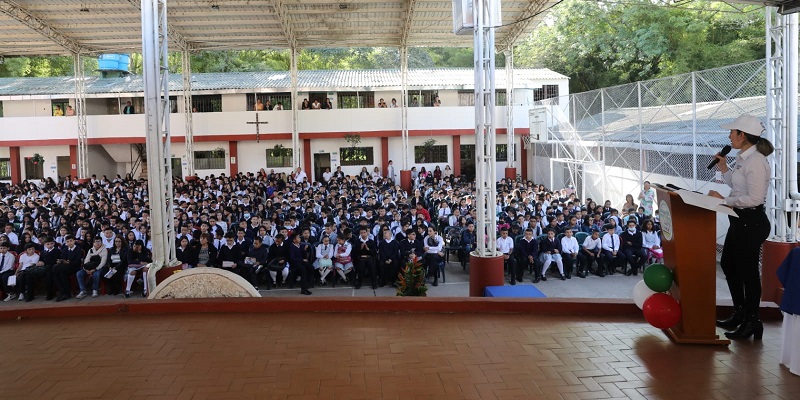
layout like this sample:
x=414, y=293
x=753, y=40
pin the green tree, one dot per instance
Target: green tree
x=604, y=44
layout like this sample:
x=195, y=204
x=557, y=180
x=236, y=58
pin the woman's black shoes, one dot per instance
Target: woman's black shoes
x=733, y=321
x=751, y=327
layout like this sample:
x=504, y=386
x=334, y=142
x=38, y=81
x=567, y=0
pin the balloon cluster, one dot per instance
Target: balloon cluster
x=660, y=309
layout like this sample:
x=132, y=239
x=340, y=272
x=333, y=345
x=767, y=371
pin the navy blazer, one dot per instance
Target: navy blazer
x=546, y=246
x=789, y=275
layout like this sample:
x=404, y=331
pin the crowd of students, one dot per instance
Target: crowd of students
x=275, y=231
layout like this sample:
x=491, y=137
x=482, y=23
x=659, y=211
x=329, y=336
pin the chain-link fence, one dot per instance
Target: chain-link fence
x=663, y=130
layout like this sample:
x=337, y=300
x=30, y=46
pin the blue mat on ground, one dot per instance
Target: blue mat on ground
x=513, y=291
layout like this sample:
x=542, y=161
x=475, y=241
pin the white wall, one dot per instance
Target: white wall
x=50, y=154
x=101, y=162
x=449, y=98
x=252, y=155
x=234, y=102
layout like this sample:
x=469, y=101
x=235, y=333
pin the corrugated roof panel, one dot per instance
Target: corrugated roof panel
x=322, y=79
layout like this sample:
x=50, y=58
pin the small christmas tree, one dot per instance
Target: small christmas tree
x=411, y=280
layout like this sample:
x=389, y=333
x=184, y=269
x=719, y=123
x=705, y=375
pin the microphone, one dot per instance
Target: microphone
x=724, y=152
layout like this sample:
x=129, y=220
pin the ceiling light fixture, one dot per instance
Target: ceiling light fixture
x=215, y=7
x=342, y=6
x=84, y=9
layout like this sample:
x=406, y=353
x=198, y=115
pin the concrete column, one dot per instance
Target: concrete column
x=307, y=159
x=14, y=161
x=233, y=150
x=456, y=155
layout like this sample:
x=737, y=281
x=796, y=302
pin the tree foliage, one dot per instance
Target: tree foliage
x=600, y=44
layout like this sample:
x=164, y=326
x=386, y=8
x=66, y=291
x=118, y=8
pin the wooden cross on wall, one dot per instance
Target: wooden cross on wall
x=258, y=130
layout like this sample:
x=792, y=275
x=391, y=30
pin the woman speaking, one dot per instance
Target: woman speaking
x=748, y=179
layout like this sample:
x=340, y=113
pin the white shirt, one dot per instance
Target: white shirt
x=592, y=244
x=324, y=250
x=505, y=245
x=569, y=245
x=650, y=239
x=435, y=248
x=611, y=242
x=301, y=176
x=26, y=261
x=748, y=179
x=7, y=262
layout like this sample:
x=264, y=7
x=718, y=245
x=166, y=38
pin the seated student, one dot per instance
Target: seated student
x=592, y=246
x=94, y=266
x=255, y=259
x=550, y=251
x=230, y=256
x=505, y=245
x=631, y=247
x=67, y=265
x=343, y=261
x=299, y=264
x=468, y=243
x=612, y=257
x=277, y=261
x=27, y=263
x=43, y=270
x=117, y=265
x=433, y=245
x=412, y=247
x=527, y=249
x=651, y=241
x=365, y=254
x=206, y=252
x=389, y=257
x=324, y=261
x=569, y=252
x=185, y=253
x=138, y=258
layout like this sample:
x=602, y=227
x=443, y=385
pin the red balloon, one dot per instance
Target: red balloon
x=662, y=311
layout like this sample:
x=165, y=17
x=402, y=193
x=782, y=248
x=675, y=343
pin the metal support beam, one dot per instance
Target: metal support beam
x=45, y=29
x=155, y=66
x=177, y=38
x=408, y=22
x=295, y=105
x=80, y=116
x=186, y=69
x=404, y=103
x=511, y=150
x=286, y=23
x=776, y=118
x=485, y=165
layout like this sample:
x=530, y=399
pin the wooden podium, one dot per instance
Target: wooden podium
x=688, y=237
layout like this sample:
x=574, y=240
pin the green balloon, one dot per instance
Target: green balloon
x=658, y=278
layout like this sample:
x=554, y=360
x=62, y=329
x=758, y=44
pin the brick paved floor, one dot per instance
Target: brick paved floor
x=377, y=356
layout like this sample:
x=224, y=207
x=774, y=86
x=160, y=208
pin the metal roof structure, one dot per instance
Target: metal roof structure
x=50, y=27
x=273, y=81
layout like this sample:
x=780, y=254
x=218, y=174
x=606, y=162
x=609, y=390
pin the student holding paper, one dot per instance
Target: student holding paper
x=748, y=180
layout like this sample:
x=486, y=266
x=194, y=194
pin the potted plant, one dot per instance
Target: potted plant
x=411, y=280
x=353, y=139
x=219, y=152
x=37, y=159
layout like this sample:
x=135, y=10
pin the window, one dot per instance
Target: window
x=279, y=158
x=211, y=159
x=356, y=155
x=430, y=154
x=207, y=103
x=546, y=92
x=356, y=99
x=5, y=168
x=274, y=98
x=62, y=106
x=422, y=98
x=138, y=105
x=466, y=98
x=501, y=152
x=33, y=170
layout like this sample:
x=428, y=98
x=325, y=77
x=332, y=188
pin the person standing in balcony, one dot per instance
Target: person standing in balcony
x=749, y=180
x=278, y=106
x=58, y=112
x=328, y=104
x=128, y=108
x=393, y=104
x=70, y=111
x=316, y=105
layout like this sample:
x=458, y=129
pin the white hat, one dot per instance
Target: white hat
x=747, y=124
